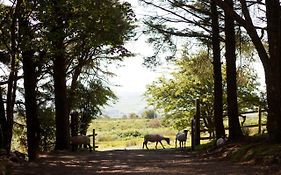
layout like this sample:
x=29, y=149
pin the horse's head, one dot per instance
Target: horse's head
x=167, y=140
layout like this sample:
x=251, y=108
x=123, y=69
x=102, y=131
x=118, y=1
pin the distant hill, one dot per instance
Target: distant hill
x=129, y=102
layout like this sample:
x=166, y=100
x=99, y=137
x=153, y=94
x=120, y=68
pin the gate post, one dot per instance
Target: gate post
x=94, y=140
x=259, y=120
x=197, y=123
x=192, y=135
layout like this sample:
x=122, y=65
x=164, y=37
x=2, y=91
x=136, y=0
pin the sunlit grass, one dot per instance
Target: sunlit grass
x=128, y=133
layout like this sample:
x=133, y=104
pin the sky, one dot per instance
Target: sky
x=133, y=77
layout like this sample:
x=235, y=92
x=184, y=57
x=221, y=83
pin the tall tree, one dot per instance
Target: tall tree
x=81, y=41
x=13, y=75
x=206, y=32
x=218, y=92
x=273, y=15
x=270, y=59
x=30, y=83
x=235, y=131
x=58, y=36
x=3, y=123
x=192, y=78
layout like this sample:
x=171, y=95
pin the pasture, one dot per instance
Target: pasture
x=128, y=133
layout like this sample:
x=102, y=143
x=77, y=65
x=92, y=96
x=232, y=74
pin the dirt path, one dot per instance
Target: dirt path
x=134, y=162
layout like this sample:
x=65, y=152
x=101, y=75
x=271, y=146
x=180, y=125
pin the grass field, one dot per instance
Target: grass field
x=128, y=133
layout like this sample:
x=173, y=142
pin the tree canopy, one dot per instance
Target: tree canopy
x=192, y=79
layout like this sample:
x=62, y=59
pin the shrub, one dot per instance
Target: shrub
x=129, y=134
x=154, y=123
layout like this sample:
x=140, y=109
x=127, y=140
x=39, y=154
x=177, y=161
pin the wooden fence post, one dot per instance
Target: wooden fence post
x=192, y=135
x=259, y=131
x=94, y=140
x=197, y=123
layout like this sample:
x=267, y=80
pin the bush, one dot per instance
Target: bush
x=154, y=123
x=129, y=134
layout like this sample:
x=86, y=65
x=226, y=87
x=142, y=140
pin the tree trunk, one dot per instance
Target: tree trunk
x=62, y=119
x=59, y=66
x=3, y=124
x=32, y=122
x=235, y=131
x=30, y=84
x=273, y=75
x=271, y=69
x=73, y=86
x=12, y=80
x=218, y=108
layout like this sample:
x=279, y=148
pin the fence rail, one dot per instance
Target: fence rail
x=195, y=125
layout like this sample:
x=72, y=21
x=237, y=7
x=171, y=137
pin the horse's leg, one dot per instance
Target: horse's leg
x=90, y=148
x=162, y=145
x=144, y=143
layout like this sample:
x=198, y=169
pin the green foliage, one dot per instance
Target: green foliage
x=149, y=114
x=47, y=126
x=47, y=131
x=129, y=134
x=90, y=34
x=191, y=80
x=133, y=116
x=92, y=97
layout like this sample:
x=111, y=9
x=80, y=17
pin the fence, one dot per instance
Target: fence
x=196, y=131
x=94, y=139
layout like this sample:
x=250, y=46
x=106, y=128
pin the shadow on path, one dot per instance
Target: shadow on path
x=133, y=162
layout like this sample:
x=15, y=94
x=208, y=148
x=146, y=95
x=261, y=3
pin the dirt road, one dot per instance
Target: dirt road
x=134, y=162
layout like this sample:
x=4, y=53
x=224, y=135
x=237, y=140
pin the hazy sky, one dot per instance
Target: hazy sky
x=132, y=79
x=133, y=76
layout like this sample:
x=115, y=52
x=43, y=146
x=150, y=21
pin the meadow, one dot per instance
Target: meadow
x=128, y=133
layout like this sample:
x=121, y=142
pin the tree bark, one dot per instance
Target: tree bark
x=235, y=131
x=273, y=75
x=32, y=121
x=30, y=84
x=12, y=80
x=62, y=119
x=269, y=61
x=3, y=124
x=218, y=104
x=57, y=36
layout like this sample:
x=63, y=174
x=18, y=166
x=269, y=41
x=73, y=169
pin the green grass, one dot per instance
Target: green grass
x=128, y=133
